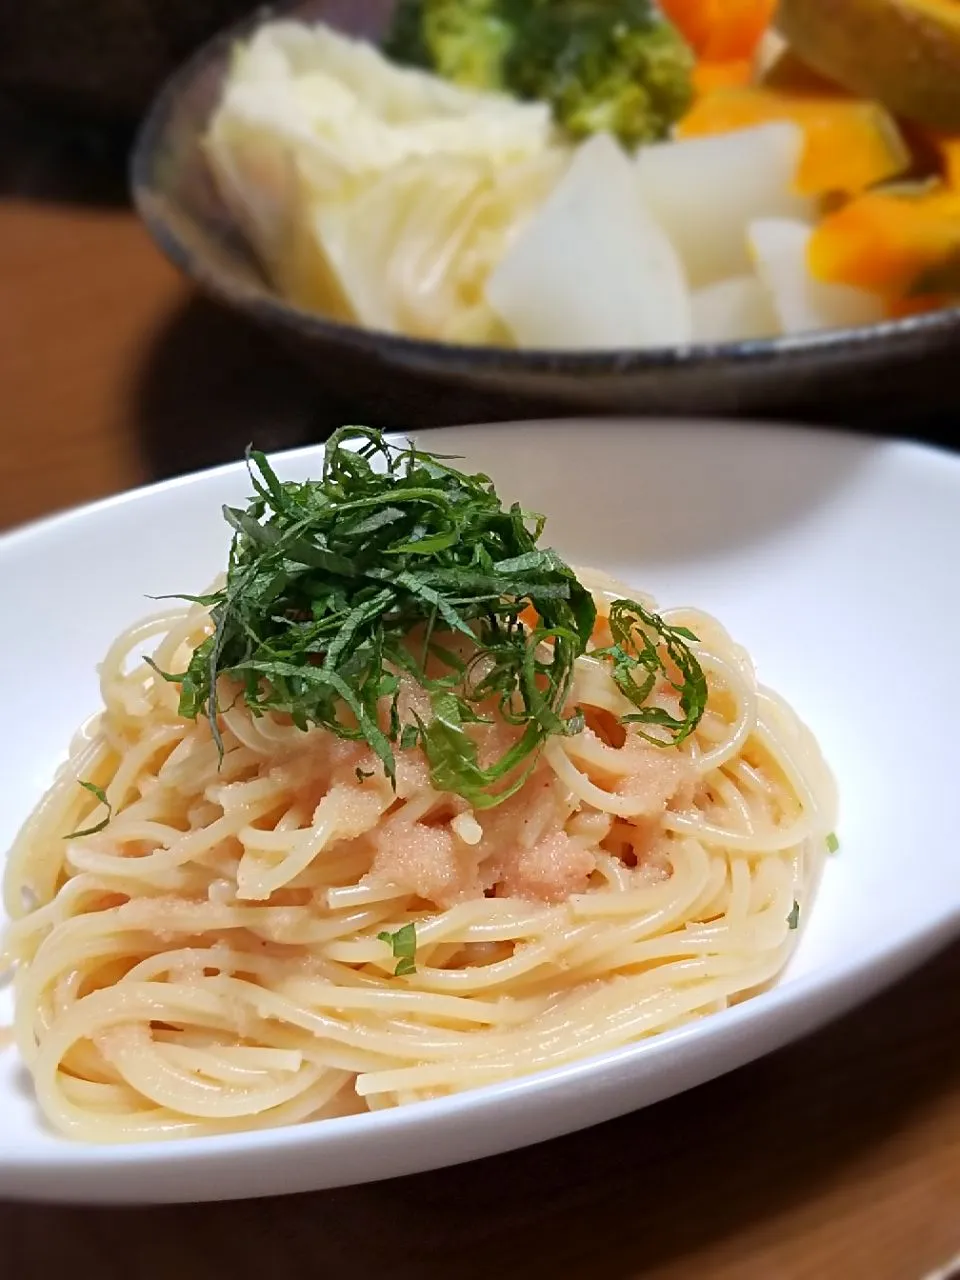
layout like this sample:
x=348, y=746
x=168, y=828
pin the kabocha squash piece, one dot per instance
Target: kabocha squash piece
x=893, y=244
x=904, y=53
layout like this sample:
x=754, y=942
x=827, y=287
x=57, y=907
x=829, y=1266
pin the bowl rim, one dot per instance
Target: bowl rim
x=268, y=306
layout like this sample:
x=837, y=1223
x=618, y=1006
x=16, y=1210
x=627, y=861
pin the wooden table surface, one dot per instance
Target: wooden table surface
x=835, y=1159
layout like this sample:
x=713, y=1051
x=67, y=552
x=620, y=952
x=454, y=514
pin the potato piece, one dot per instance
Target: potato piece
x=781, y=251
x=593, y=269
x=706, y=191
x=734, y=310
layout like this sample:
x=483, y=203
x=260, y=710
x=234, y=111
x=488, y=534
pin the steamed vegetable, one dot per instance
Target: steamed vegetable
x=306, y=108
x=443, y=207
x=611, y=66
x=741, y=306
x=891, y=243
x=738, y=177
x=606, y=66
x=593, y=268
x=350, y=111
x=413, y=249
x=464, y=41
x=374, y=193
x=801, y=303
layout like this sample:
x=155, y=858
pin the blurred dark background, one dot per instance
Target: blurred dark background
x=75, y=79
x=101, y=58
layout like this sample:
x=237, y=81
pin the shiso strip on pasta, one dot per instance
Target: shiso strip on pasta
x=403, y=806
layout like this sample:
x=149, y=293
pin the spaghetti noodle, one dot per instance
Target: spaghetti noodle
x=221, y=955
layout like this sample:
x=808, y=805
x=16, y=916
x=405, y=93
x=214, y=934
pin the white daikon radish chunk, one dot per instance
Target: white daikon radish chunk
x=801, y=302
x=706, y=191
x=593, y=269
x=734, y=310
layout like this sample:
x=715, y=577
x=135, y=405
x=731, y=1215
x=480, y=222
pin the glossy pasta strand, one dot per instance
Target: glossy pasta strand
x=214, y=959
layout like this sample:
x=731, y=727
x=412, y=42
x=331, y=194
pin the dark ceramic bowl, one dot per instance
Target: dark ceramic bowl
x=887, y=373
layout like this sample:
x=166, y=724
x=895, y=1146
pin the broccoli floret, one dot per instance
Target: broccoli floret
x=466, y=41
x=614, y=65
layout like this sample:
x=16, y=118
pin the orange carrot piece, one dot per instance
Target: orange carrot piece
x=721, y=30
x=709, y=76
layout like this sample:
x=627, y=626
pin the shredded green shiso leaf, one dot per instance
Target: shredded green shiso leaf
x=403, y=945
x=395, y=562
x=101, y=795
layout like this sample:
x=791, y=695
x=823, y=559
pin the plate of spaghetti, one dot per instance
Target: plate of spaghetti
x=401, y=801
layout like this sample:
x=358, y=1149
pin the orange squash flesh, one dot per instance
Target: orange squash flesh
x=888, y=243
x=906, y=247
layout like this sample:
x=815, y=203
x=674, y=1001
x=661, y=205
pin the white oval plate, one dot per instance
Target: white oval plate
x=832, y=559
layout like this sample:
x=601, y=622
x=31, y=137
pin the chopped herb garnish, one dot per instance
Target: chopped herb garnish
x=638, y=664
x=833, y=844
x=101, y=795
x=396, y=564
x=363, y=775
x=403, y=944
x=793, y=919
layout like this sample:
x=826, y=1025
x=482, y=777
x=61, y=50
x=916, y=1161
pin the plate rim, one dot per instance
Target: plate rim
x=40, y=525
